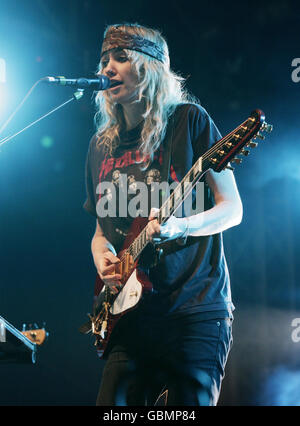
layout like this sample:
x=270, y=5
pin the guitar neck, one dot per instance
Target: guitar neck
x=172, y=203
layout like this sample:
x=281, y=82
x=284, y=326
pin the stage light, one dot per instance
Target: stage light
x=2, y=71
x=3, y=88
x=47, y=141
x=283, y=387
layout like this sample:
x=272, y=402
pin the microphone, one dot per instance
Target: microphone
x=101, y=83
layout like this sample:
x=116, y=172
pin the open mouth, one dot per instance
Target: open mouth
x=115, y=83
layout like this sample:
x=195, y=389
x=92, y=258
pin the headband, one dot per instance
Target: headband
x=117, y=40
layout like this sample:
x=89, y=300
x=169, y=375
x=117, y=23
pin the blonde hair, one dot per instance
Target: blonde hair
x=159, y=88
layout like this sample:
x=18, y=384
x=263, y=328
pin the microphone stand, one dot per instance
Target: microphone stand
x=76, y=96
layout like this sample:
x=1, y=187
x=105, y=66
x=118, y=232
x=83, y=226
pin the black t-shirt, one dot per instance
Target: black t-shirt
x=188, y=279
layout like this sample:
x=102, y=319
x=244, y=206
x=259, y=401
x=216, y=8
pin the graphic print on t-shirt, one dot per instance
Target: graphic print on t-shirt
x=123, y=174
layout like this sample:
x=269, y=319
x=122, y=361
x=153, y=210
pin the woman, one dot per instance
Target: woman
x=178, y=338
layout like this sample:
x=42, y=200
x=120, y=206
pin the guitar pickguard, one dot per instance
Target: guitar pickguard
x=129, y=296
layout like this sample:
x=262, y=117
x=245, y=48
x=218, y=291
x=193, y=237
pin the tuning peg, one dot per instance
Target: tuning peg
x=237, y=160
x=260, y=136
x=252, y=144
x=245, y=152
x=267, y=127
x=229, y=168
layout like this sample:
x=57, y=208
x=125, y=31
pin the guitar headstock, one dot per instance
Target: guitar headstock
x=34, y=333
x=239, y=141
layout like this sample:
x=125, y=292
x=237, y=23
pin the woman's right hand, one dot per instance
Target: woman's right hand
x=106, y=264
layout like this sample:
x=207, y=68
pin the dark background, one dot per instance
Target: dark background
x=236, y=57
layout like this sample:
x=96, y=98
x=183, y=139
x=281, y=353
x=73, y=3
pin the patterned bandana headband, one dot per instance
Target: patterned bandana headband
x=117, y=40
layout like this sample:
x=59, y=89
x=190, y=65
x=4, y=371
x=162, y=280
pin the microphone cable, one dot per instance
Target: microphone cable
x=20, y=105
x=77, y=95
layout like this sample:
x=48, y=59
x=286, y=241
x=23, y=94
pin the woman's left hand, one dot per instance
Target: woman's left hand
x=172, y=229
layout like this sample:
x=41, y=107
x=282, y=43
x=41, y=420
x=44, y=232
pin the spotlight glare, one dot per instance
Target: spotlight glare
x=47, y=142
x=2, y=71
x=283, y=387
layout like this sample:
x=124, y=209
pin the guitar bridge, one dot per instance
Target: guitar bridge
x=99, y=322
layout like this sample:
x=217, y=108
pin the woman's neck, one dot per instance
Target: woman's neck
x=133, y=114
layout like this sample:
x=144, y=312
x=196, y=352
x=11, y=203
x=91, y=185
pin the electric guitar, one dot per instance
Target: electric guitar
x=109, y=307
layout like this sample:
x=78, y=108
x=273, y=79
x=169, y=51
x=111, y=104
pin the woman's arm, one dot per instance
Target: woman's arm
x=105, y=258
x=226, y=213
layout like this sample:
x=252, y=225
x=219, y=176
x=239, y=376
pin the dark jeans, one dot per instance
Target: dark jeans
x=185, y=356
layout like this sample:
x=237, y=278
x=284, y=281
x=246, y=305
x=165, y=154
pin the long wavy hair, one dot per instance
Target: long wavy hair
x=159, y=88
